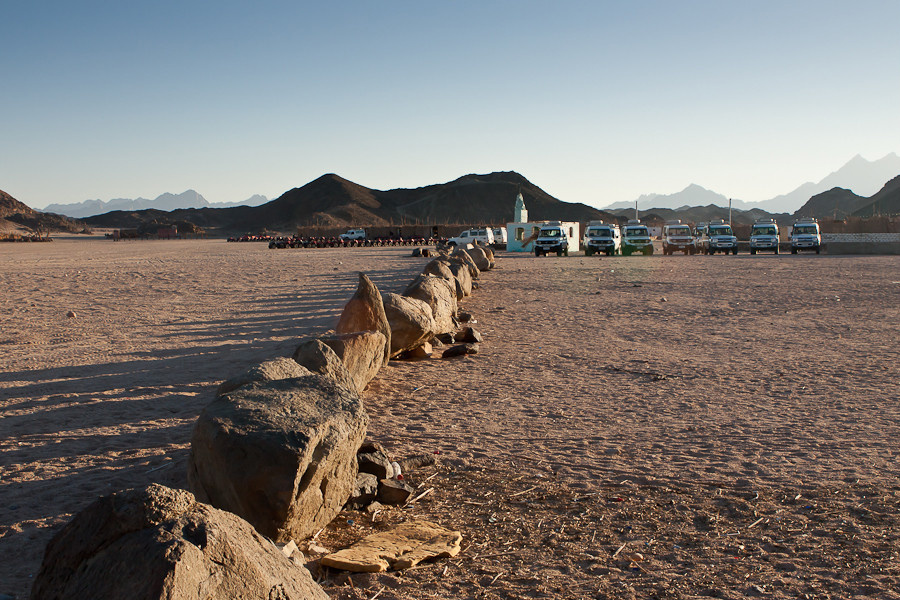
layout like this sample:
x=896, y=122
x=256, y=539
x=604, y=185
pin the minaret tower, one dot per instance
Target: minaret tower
x=521, y=213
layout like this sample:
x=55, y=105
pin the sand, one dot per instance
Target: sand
x=667, y=427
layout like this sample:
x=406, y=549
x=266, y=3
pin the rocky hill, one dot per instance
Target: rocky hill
x=840, y=203
x=332, y=201
x=16, y=216
x=885, y=202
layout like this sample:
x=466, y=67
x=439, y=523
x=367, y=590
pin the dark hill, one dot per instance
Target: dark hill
x=10, y=206
x=885, y=202
x=331, y=201
x=835, y=203
x=23, y=216
x=697, y=214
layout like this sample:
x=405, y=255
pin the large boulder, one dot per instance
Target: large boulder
x=156, y=542
x=280, y=454
x=270, y=370
x=365, y=312
x=461, y=254
x=318, y=357
x=440, y=267
x=480, y=258
x=361, y=352
x=411, y=320
x=463, y=277
x=440, y=295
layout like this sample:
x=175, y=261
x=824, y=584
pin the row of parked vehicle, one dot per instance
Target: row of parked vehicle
x=703, y=238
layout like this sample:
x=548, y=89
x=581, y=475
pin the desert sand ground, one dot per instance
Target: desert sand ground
x=641, y=427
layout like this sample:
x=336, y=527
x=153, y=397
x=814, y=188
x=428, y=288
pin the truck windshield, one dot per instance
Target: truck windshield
x=551, y=233
x=806, y=229
x=679, y=231
x=637, y=232
x=770, y=230
x=599, y=233
x=720, y=231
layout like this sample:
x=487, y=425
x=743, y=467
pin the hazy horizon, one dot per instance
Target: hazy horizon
x=594, y=102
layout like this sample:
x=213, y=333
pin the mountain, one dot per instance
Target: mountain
x=885, y=202
x=699, y=214
x=332, y=201
x=254, y=200
x=692, y=195
x=836, y=203
x=840, y=203
x=166, y=202
x=859, y=175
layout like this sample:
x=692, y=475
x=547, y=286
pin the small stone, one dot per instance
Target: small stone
x=460, y=350
x=392, y=491
x=376, y=463
x=71, y=314
x=663, y=299
x=468, y=335
x=465, y=317
x=314, y=548
x=374, y=507
x=420, y=353
x=446, y=338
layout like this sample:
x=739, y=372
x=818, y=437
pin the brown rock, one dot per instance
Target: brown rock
x=411, y=321
x=479, y=257
x=468, y=335
x=394, y=491
x=460, y=350
x=361, y=352
x=318, y=357
x=462, y=255
x=419, y=353
x=375, y=463
x=365, y=312
x=280, y=454
x=440, y=295
x=270, y=370
x=157, y=542
x=402, y=547
x=463, y=277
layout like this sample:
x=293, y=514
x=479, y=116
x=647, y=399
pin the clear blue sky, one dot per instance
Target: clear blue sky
x=595, y=102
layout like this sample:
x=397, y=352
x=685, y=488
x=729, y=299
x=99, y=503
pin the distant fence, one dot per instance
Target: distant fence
x=861, y=243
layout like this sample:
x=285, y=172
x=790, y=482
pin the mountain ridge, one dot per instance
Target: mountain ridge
x=862, y=176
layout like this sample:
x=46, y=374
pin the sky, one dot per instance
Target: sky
x=594, y=102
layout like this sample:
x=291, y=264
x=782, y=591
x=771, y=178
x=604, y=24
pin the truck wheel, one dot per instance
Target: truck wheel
x=734, y=251
x=777, y=250
x=817, y=249
x=566, y=252
x=793, y=251
x=752, y=251
x=587, y=251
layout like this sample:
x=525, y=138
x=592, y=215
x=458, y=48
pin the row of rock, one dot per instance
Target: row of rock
x=274, y=455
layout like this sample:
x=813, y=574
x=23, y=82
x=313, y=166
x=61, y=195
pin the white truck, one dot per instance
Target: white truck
x=721, y=238
x=353, y=234
x=805, y=235
x=558, y=237
x=764, y=236
x=482, y=235
x=636, y=238
x=602, y=237
x=500, y=236
x=678, y=237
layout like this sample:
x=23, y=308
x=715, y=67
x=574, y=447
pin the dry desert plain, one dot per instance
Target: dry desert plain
x=640, y=427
